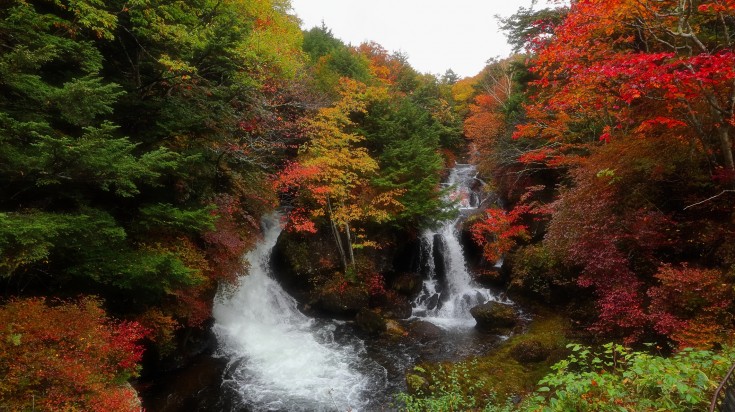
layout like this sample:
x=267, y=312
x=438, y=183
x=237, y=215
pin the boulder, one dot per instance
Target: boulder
x=399, y=309
x=494, y=316
x=439, y=250
x=300, y=263
x=370, y=322
x=433, y=301
x=530, y=351
x=395, y=329
x=425, y=331
x=393, y=305
x=408, y=284
x=343, y=303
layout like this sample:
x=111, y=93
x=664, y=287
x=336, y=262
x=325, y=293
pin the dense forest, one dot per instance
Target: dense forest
x=141, y=142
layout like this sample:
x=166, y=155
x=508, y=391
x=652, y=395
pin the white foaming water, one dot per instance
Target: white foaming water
x=280, y=359
x=447, y=304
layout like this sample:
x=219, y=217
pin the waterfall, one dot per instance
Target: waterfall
x=448, y=292
x=280, y=359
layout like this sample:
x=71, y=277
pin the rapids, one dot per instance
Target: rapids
x=278, y=359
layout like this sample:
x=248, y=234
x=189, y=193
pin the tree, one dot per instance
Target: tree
x=333, y=171
x=691, y=305
x=498, y=232
x=450, y=77
x=383, y=66
x=621, y=68
x=530, y=29
x=67, y=356
x=404, y=138
x=611, y=225
x=628, y=98
x=332, y=60
x=136, y=141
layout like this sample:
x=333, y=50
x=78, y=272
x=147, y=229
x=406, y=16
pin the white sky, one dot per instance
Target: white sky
x=435, y=34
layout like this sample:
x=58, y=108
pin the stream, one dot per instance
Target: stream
x=272, y=357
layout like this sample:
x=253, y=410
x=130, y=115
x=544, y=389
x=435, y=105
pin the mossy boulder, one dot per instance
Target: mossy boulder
x=300, y=262
x=342, y=302
x=500, y=373
x=407, y=284
x=395, y=329
x=424, y=331
x=494, y=316
x=529, y=351
x=370, y=322
x=393, y=305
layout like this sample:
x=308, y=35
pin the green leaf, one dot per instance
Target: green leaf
x=163, y=215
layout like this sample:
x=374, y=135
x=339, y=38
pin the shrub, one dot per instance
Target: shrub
x=691, y=305
x=449, y=390
x=66, y=356
x=618, y=379
x=536, y=270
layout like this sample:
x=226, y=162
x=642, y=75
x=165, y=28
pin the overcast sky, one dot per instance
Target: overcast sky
x=435, y=34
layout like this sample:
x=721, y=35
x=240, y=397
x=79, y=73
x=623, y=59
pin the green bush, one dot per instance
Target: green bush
x=614, y=378
x=450, y=390
x=536, y=270
x=618, y=379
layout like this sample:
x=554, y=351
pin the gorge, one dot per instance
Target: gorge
x=279, y=359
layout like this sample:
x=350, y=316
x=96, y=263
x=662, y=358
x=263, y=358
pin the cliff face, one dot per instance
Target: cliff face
x=383, y=278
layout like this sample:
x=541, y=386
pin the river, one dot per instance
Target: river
x=272, y=357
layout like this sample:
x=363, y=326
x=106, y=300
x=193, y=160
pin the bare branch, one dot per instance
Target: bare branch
x=708, y=199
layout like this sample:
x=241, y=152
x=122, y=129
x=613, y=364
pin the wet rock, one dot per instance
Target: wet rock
x=344, y=303
x=440, y=266
x=402, y=310
x=395, y=306
x=432, y=302
x=530, y=351
x=370, y=322
x=494, y=316
x=299, y=262
x=394, y=328
x=408, y=284
x=425, y=331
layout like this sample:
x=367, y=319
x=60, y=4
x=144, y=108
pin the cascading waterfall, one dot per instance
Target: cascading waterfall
x=280, y=359
x=446, y=302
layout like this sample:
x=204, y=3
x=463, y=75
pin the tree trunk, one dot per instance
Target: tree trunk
x=349, y=244
x=726, y=146
x=337, y=239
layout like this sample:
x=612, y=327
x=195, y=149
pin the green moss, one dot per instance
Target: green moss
x=506, y=376
x=500, y=374
x=415, y=383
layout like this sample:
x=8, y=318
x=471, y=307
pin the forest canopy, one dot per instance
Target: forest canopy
x=142, y=141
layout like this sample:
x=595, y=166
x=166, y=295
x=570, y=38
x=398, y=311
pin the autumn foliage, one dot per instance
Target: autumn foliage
x=626, y=118
x=499, y=231
x=67, y=356
x=691, y=305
